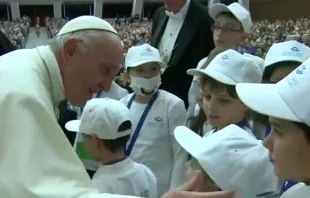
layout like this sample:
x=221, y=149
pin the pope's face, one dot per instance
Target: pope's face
x=90, y=67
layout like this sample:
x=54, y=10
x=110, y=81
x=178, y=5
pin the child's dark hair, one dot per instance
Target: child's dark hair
x=119, y=143
x=305, y=128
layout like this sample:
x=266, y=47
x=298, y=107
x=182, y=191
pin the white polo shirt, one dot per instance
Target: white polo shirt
x=126, y=178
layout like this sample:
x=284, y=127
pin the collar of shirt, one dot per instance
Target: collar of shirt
x=58, y=91
x=115, y=168
x=181, y=14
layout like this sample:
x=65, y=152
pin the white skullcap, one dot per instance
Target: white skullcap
x=86, y=23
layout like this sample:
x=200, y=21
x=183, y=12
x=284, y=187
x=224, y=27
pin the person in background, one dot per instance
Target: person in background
x=154, y=113
x=181, y=31
x=287, y=105
x=232, y=26
x=230, y=159
x=106, y=127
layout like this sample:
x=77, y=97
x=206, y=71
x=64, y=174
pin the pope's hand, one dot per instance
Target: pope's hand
x=191, y=190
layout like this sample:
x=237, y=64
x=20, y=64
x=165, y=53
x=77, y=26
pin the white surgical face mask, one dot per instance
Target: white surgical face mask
x=148, y=84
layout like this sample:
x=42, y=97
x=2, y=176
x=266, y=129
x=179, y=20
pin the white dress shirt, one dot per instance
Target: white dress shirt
x=37, y=160
x=173, y=27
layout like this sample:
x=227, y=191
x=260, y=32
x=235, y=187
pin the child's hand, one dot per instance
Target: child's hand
x=191, y=190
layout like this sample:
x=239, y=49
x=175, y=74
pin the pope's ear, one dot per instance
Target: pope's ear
x=126, y=76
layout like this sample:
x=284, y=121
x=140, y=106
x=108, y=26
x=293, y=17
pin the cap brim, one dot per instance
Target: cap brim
x=216, y=9
x=141, y=62
x=265, y=99
x=289, y=59
x=73, y=125
x=213, y=74
x=189, y=140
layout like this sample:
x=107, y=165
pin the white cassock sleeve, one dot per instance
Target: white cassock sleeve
x=36, y=159
x=177, y=117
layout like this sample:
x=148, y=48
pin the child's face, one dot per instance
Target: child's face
x=227, y=32
x=220, y=108
x=281, y=72
x=288, y=150
x=147, y=70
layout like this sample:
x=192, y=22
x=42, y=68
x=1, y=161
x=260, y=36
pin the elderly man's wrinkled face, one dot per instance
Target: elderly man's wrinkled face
x=90, y=67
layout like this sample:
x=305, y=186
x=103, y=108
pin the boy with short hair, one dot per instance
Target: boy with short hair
x=232, y=25
x=106, y=126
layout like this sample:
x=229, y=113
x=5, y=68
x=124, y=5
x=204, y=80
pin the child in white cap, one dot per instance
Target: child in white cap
x=106, y=127
x=231, y=27
x=282, y=59
x=230, y=159
x=221, y=104
x=288, y=106
x=155, y=113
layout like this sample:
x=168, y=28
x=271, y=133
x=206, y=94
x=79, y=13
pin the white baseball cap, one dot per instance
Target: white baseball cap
x=260, y=62
x=86, y=23
x=242, y=14
x=138, y=55
x=102, y=117
x=233, y=159
x=230, y=67
x=287, y=51
x=288, y=99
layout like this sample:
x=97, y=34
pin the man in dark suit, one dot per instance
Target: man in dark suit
x=5, y=44
x=182, y=33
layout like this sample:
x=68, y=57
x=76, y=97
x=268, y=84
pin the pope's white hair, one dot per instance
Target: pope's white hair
x=85, y=36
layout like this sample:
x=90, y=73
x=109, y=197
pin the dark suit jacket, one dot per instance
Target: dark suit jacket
x=5, y=44
x=194, y=42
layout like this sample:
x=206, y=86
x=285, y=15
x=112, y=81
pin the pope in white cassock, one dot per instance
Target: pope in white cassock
x=36, y=159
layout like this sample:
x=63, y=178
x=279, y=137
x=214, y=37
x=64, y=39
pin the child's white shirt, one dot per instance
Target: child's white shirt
x=126, y=178
x=156, y=146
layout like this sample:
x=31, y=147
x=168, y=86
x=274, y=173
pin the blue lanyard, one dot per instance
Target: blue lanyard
x=97, y=96
x=141, y=121
x=240, y=124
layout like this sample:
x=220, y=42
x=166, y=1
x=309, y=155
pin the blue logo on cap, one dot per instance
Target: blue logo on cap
x=295, y=49
x=225, y=57
x=300, y=69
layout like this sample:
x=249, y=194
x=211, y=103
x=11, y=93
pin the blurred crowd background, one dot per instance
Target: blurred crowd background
x=16, y=31
x=136, y=30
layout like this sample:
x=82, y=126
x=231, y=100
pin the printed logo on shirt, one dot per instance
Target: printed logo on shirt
x=145, y=193
x=158, y=119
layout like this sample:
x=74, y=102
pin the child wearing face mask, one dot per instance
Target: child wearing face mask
x=221, y=104
x=231, y=27
x=155, y=114
x=230, y=159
